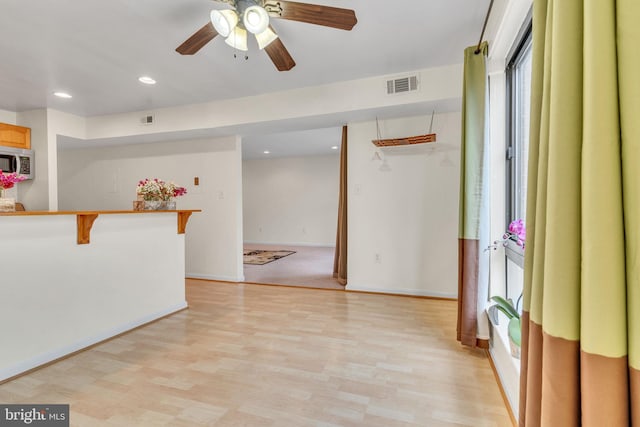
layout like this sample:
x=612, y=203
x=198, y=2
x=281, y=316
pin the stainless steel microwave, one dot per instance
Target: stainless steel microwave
x=18, y=160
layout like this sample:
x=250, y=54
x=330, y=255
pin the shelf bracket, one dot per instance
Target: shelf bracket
x=183, y=218
x=85, y=222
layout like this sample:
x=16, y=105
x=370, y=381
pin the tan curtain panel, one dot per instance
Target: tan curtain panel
x=471, y=191
x=581, y=320
x=340, y=257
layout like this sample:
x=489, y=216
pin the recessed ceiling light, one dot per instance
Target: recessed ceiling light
x=335, y=147
x=147, y=80
x=266, y=151
x=62, y=95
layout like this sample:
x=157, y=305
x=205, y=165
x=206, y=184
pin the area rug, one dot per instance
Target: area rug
x=262, y=257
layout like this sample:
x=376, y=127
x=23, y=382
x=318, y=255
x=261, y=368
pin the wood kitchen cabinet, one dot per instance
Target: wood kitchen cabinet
x=15, y=136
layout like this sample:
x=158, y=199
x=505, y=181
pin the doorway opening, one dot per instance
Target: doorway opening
x=290, y=207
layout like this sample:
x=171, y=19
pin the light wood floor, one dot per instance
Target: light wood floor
x=251, y=355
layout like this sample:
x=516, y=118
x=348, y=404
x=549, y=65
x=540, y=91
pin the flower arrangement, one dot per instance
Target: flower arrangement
x=9, y=180
x=158, y=190
x=516, y=232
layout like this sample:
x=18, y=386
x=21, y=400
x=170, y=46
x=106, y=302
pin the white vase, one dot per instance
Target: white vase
x=7, y=204
x=159, y=205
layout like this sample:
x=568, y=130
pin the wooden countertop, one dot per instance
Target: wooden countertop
x=85, y=219
x=33, y=213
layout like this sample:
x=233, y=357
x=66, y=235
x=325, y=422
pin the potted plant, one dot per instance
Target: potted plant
x=514, y=327
x=158, y=194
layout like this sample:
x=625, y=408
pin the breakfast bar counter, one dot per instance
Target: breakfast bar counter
x=72, y=279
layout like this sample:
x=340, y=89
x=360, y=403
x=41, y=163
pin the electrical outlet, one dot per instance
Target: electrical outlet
x=377, y=259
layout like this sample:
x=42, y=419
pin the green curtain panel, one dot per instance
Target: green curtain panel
x=581, y=320
x=472, y=189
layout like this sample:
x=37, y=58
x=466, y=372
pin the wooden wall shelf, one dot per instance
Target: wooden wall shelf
x=15, y=136
x=85, y=219
x=411, y=140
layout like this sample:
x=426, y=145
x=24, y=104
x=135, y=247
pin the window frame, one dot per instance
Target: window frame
x=522, y=44
x=514, y=254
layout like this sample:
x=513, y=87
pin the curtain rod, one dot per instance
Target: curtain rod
x=484, y=27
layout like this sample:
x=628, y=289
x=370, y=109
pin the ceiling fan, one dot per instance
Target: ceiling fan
x=253, y=16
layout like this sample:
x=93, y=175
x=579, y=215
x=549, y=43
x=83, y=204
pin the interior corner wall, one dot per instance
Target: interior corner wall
x=403, y=221
x=105, y=178
x=291, y=201
x=34, y=194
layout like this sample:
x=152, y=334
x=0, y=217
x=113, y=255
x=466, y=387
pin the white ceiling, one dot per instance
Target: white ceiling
x=96, y=50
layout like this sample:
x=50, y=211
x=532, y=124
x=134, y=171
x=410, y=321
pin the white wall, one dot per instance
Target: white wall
x=106, y=178
x=291, y=200
x=8, y=117
x=403, y=223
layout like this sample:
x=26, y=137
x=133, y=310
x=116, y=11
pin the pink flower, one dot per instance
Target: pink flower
x=517, y=232
x=9, y=180
x=179, y=191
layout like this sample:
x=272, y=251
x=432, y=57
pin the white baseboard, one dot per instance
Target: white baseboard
x=411, y=292
x=215, y=278
x=50, y=356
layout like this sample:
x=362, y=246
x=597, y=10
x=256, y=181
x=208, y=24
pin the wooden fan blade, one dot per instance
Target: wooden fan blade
x=335, y=17
x=280, y=55
x=200, y=38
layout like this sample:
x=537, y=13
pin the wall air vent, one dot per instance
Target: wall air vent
x=404, y=84
x=147, y=120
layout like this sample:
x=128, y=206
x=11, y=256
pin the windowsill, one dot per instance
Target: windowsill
x=502, y=339
x=514, y=252
x=507, y=366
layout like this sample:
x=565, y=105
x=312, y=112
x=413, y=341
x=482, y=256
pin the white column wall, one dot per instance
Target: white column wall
x=403, y=223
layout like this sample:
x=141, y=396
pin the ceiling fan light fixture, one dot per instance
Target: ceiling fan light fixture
x=255, y=19
x=224, y=21
x=265, y=38
x=238, y=39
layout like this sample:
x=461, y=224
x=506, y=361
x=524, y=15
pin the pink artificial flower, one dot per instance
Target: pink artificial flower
x=517, y=230
x=9, y=180
x=179, y=191
x=517, y=227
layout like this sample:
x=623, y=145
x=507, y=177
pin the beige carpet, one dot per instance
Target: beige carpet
x=309, y=266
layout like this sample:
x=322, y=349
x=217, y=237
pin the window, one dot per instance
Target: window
x=519, y=110
x=518, y=73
